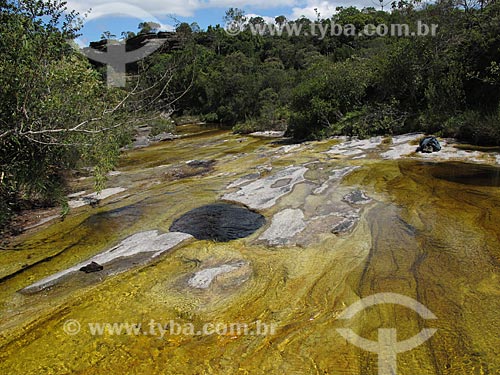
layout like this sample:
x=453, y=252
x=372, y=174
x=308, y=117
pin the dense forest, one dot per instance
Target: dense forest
x=57, y=114
x=446, y=84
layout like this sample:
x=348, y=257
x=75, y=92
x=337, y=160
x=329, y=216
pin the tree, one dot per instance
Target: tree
x=184, y=30
x=280, y=20
x=127, y=35
x=107, y=35
x=257, y=21
x=235, y=15
x=195, y=28
x=149, y=27
x=56, y=113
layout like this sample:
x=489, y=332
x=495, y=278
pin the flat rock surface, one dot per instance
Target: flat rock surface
x=265, y=192
x=204, y=278
x=87, y=199
x=355, y=147
x=336, y=176
x=285, y=225
x=268, y=134
x=148, y=245
x=357, y=197
x=402, y=145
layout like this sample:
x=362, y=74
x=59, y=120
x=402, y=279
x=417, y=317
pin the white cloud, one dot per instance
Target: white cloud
x=180, y=8
x=150, y=9
x=267, y=19
x=327, y=8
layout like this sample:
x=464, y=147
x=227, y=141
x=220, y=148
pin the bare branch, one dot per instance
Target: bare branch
x=154, y=105
x=5, y=134
x=57, y=143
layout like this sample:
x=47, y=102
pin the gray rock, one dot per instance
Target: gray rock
x=265, y=192
x=94, y=198
x=162, y=137
x=355, y=147
x=284, y=226
x=268, y=134
x=336, y=176
x=92, y=267
x=205, y=277
x=244, y=180
x=200, y=163
x=219, y=222
x=140, y=142
x=401, y=146
x=345, y=225
x=145, y=246
x=357, y=197
x=42, y=221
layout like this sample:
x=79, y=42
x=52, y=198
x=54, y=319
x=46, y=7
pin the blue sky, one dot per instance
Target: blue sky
x=117, y=16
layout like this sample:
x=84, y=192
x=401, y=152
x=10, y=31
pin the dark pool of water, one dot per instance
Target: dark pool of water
x=466, y=174
x=220, y=222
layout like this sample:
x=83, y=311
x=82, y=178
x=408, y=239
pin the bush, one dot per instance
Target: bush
x=328, y=92
x=475, y=128
x=162, y=125
x=55, y=111
x=371, y=120
x=249, y=126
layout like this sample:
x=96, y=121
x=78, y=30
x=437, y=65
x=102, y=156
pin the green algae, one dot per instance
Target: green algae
x=425, y=237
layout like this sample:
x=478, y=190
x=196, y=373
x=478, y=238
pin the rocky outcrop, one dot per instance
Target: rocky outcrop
x=140, y=248
x=357, y=197
x=355, y=147
x=232, y=273
x=268, y=134
x=265, y=192
x=94, y=198
x=285, y=225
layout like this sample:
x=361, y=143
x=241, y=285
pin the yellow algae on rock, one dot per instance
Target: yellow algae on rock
x=424, y=235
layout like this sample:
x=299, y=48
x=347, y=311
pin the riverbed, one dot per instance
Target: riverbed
x=344, y=220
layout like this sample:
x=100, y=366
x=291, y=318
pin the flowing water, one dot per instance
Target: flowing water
x=430, y=234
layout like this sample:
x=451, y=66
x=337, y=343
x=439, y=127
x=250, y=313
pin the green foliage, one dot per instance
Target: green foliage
x=347, y=84
x=249, y=126
x=369, y=120
x=162, y=125
x=56, y=114
x=318, y=87
x=149, y=27
x=475, y=127
x=328, y=93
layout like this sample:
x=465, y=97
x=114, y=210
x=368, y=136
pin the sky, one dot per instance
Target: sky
x=125, y=15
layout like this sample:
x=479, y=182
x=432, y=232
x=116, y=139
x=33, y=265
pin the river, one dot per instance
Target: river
x=425, y=228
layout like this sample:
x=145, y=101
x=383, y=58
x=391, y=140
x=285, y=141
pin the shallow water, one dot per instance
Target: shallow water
x=428, y=236
x=460, y=173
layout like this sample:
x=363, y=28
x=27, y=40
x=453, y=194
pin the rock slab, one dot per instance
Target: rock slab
x=265, y=192
x=150, y=244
